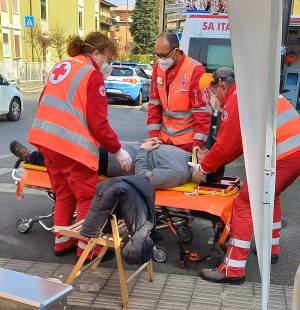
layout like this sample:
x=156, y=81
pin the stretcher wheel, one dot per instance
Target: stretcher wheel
x=23, y=226
x=185, y=234
x=159, y=255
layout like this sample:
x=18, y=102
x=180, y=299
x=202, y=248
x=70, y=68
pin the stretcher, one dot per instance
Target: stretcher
x=176, y=207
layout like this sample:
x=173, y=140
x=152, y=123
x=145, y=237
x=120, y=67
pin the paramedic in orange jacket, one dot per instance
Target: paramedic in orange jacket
x=177, y=113
x=70, y=125
x=227, y=148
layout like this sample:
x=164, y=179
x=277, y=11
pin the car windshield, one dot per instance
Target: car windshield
x=122, y=72
x=145, y=67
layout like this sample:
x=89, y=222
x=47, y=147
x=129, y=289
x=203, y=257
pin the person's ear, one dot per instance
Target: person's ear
x=96, y=54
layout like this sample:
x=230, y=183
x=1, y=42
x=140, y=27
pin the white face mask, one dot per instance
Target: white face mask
x=106, y=69
x=166, y=63
x=215, y=102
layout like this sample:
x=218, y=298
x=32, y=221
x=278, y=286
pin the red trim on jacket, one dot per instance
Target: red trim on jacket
x=228, y=146
x=96, y=110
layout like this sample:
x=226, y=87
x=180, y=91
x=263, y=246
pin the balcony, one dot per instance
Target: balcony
x=106, y=20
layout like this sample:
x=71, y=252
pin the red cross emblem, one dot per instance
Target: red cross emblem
x=60, y=72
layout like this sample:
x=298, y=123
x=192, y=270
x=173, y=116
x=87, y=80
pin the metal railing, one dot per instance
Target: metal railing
x=19, y=71
x=106, y=20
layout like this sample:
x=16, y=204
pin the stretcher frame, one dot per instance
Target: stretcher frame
x=182, y=199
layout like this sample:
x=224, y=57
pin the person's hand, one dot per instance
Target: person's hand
x=198, y=175
x=156, y=139
x=124, y=159
x=150, y=145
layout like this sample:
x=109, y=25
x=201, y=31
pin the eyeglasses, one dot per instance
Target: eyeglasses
x=109, y=60
x=216, y=86
x=214, y=89
x=163, y=56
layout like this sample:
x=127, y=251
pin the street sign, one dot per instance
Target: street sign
x=29, y=22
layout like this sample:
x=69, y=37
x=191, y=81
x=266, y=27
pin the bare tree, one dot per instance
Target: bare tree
x=58, y=39
x=40, y=41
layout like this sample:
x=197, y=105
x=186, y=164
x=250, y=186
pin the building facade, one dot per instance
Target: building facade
x=106, y=20
x=21, y=43
x=296, y=8
x=122, y=15
x=10, y=30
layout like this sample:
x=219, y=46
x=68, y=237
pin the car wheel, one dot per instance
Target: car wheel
x=139, y=100
x=14, y=110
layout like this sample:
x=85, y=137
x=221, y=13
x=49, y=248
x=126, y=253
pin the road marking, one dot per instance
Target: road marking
x=124, y=106
x=6, y=156
x=10, y=188
x=32, y=91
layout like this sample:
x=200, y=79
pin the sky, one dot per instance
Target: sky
x=122, y=1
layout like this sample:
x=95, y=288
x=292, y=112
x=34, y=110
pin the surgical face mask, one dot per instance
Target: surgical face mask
x=215, y=102
x=106, y=69
x=166, y=63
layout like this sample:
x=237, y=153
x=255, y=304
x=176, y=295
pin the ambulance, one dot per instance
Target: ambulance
x=206, y=38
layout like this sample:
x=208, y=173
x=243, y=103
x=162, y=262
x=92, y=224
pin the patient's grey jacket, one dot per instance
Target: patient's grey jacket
x=132, y=199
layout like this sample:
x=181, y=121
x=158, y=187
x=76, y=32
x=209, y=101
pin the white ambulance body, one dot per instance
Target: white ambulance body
x=206, y=38
x=291, y=85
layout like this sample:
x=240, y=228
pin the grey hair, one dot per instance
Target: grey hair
x=226, y=74
x=171, y=38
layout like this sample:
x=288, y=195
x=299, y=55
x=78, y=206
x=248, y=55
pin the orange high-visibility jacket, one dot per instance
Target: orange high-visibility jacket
x=61, y=122
x=228, y=146
x=177, y=117
x=288, y=129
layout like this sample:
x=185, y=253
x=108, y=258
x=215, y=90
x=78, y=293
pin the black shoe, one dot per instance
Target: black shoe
x=274, y=257
x=214, y=275
x=20, y=151
x=66, y=251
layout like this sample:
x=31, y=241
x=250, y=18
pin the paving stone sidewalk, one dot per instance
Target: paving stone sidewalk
x=100, y=290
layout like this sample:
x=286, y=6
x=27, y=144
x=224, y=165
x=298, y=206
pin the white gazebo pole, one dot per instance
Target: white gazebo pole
x=256, y=41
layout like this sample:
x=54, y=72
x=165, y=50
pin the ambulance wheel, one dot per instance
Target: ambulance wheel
x=159, y=255
x=185, y=234
x=23, y=226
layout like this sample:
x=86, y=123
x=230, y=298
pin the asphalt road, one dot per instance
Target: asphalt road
x=130, y=124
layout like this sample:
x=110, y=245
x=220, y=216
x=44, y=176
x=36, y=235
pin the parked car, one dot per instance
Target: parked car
x=128, y=82
x=147, y=68
x=125, y=63
x=11, y=103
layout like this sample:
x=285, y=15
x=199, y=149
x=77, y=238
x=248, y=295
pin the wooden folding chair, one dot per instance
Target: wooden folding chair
x=113, y=241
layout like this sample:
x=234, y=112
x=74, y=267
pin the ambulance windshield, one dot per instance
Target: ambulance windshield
x=218, y=56
x=213, y=53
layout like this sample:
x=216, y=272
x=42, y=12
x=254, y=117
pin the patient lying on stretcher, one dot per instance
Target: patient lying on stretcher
x=166, y=166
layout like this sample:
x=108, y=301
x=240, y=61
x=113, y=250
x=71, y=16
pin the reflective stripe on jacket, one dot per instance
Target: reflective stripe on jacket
x=228, y=146
x=288, y=129
x=60, y=123
x=177, y=117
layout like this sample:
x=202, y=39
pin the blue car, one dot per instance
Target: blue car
x=128, y=82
